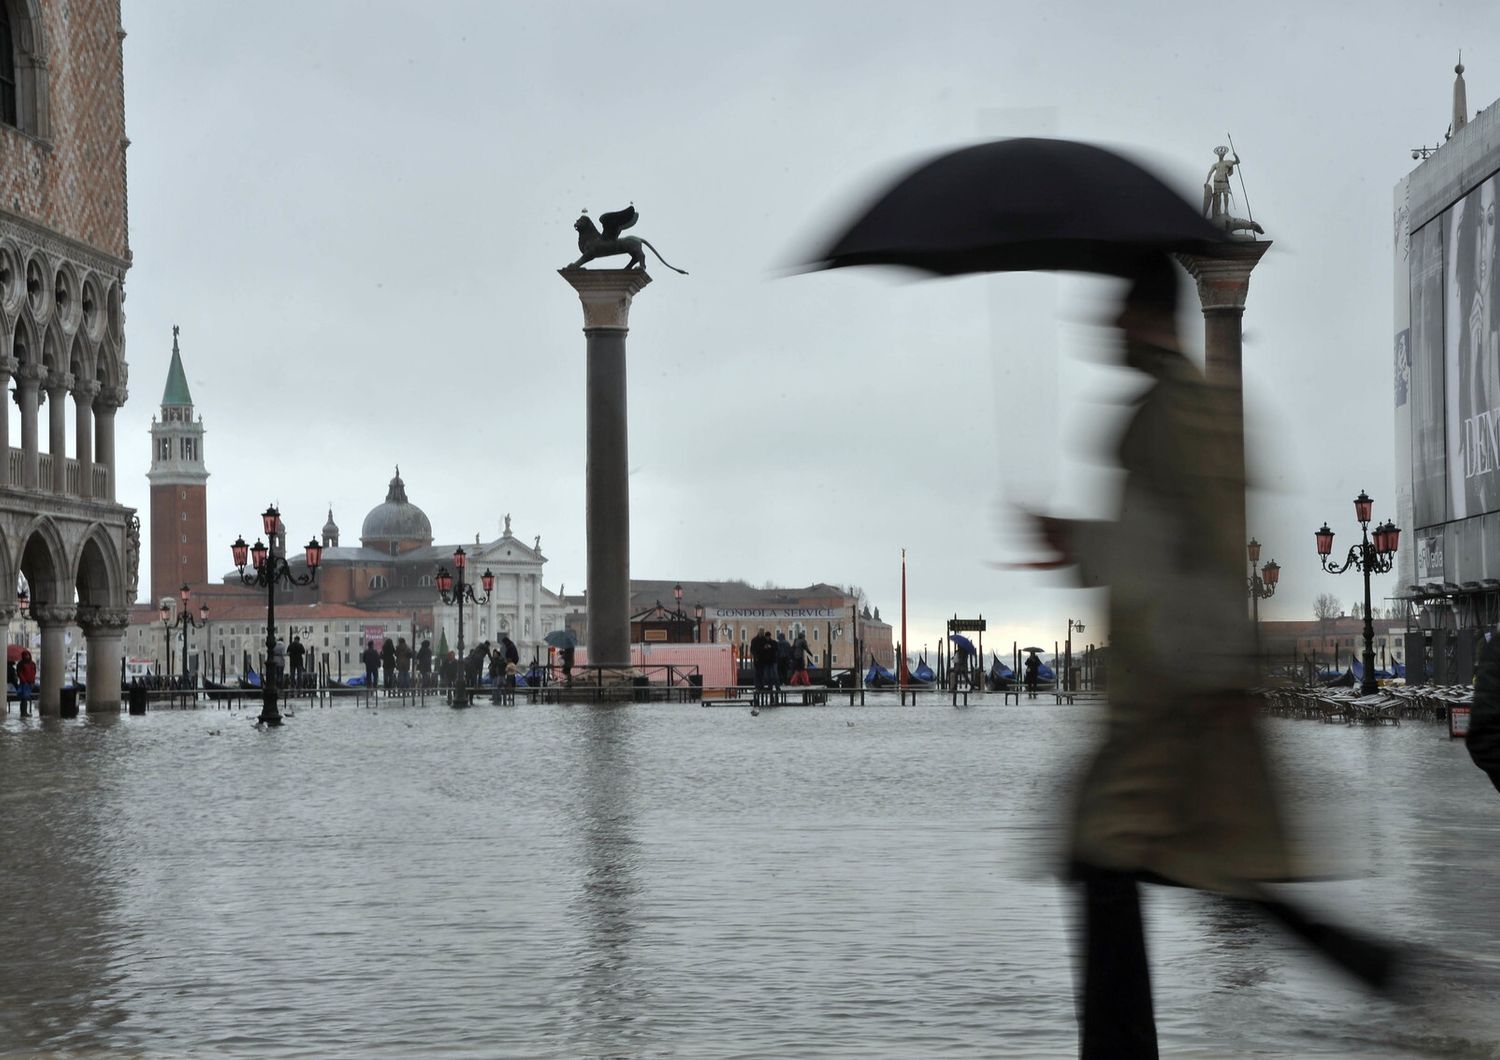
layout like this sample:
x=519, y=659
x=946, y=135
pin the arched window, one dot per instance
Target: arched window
x=8, y=99
x=377, y=581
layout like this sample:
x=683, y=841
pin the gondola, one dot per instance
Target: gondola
x=879, y=677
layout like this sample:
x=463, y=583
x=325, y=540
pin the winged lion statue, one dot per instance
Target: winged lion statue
x=592, y=243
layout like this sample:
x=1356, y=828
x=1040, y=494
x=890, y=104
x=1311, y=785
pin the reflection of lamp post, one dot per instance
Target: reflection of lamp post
x=1068, y=654
x=453, y=590
x=1262, y=586
x=271, y=568
x=185, y=622
x=1371, y=557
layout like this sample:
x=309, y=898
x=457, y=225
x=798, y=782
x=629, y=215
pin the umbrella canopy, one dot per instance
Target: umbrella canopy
x=962, y=641
x=1019, y=205
x=13, y=652
x=1033, y=651
x=562, y=638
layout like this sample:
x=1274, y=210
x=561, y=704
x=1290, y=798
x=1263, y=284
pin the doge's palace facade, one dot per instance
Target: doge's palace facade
x=64, y=251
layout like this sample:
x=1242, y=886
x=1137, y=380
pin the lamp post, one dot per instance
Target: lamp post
x=1068, y=654
x=454, y=590
x=269, y=569
x=679, y=619
x=184, y=621
x=697, y=623
x=1371, y=556
x=1262, y=586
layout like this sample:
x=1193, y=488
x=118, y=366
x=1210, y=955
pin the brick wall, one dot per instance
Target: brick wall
x=72, y=180
x=178, y=512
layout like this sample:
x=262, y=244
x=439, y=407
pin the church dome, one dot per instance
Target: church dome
x=397, y=520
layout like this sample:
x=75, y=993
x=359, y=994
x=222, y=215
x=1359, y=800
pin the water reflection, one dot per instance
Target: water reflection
x=59, y=886
x=609, y=994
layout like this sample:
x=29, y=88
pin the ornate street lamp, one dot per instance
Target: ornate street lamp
x=184, y=621
x=453, y=590
x=268, y=568
x=679, y=619
x=697, y=623
x=1375, y=556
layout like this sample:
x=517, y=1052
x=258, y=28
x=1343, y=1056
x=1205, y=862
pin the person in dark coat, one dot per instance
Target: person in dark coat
x=403, y=662
x=1483, y=738
x=1033, y=672
x=565, y=656
x=783, y=660
x=763, y=654
x=296, y=654
x=512, y=653
x=371, y=659
x=424, y=663
x=388, y=663
x=450, y=669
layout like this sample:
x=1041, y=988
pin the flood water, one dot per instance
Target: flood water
x=669, y=880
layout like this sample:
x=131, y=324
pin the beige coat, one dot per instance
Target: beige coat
x=1180, y=787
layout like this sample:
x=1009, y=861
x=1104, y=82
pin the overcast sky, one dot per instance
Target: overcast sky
x=356, y=211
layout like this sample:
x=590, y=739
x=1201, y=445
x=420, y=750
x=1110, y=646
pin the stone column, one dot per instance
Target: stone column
x=1223, y=285
x=105, y=629
x=606, y=295
x=53, y=620
x=110, y=398
x=7, y=366
x=83, y=434
x=57, y=428
x=28, y=387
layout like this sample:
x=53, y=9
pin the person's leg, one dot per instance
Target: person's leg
x=1116, y=1016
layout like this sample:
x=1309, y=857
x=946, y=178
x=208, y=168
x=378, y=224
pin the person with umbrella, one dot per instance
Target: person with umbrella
x=963, y=659
x=1179, y=792
x=566, y=643
x=1033, y=668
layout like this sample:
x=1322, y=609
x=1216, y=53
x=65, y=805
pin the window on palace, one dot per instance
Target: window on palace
x=377, y=581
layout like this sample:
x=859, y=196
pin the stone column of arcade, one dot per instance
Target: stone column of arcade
x=606, y=295
x=1223, y=285
x=28, y=391
x=57, y=422
x=53, y=620
x=104, y=628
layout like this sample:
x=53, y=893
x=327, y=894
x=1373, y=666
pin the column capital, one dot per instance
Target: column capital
x=59, y=382
x=29, y=374
x=8, y=365
x=85, y=390
x=606, y=294
x=109, y=397
x=94, y=619
x=50, y=615
x=1224, y=279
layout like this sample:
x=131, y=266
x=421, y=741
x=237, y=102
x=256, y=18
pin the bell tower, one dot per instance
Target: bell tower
x=179, y=489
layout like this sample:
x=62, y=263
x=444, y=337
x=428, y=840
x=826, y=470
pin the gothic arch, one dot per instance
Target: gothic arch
x=24, y=347
x=52, y=349
x=44, y=562
x=31, y=66
x=97, y=576
x=80, y=364
x=12, y=277
x=107, y=364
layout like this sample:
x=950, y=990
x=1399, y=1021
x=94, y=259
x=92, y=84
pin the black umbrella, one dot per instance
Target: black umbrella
x=562, y=638
x=1033, y=651
x=1019, y=205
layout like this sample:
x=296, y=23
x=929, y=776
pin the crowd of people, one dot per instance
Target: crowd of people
x=778, y=661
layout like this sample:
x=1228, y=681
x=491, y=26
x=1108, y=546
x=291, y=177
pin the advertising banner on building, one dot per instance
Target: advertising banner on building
x=1428, y=440
x=1472, y=348
x=1401, y=368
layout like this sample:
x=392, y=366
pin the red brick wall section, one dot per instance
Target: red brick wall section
x=74, y=181
x=174, y=561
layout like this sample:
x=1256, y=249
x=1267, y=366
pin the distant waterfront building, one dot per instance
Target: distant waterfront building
x=733, y=612
x=64, y=252
x=393, y=570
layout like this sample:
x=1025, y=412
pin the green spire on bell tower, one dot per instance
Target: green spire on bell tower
x=177, y=392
